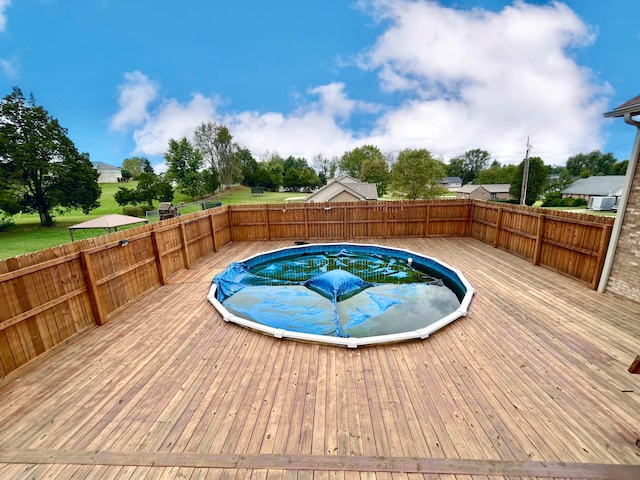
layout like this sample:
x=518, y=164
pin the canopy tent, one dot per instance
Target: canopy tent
x=109, y=222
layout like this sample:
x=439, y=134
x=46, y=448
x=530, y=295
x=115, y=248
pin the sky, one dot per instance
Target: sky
x=298, y=78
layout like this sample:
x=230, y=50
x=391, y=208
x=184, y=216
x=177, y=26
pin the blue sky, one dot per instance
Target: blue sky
x=321, y=78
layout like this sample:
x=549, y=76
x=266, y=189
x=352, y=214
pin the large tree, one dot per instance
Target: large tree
x=469, y=165
x=537, y=181
x=593, y=163
x=354, y=160
x=40, y=164
x=416, y=174
x=218, y=150
x=497, y=173
x=184, y=163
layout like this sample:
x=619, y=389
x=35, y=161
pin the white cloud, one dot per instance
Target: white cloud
x=4, y=4
x=466, y=79
x=8, y=68
x=486, y=79
x=136, y=93
x=172, y=120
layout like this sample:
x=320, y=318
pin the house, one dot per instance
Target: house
x=497, y=191
x=344, y=189
x=451, y=183
x=597, y=186
x=108, y=174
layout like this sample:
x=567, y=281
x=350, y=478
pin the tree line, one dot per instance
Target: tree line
x=41, y=170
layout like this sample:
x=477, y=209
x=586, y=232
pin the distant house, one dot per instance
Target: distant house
x=108, y=174
x=344, y=189
x=451, y=183
x=597, y=186
x=497, y=191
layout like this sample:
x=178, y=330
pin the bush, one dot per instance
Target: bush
x=137, y=210
x=554, y=200
x=5, y=222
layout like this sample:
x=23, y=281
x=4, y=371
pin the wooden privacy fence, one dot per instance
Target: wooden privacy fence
x=343, y=221
x=50, y=296
x=570, y=243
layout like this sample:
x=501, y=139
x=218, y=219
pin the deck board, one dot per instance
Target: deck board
x=532, y=383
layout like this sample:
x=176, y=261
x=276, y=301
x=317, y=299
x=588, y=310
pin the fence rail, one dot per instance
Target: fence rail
x=50, y=296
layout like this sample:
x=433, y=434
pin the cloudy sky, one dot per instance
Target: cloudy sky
x=307, y=78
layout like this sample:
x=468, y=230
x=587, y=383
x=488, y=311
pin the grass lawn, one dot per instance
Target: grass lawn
x=28, y=236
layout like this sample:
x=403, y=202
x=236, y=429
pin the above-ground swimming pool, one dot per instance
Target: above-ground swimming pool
x=341, y=293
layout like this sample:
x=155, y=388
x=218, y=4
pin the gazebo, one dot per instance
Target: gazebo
x=109, y=222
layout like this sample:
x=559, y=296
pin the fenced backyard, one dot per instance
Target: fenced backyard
x=51, y=296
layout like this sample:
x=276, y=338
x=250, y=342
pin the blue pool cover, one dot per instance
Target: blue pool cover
x=341, y=290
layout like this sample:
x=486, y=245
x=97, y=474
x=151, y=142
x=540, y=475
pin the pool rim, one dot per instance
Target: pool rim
x=350, y=342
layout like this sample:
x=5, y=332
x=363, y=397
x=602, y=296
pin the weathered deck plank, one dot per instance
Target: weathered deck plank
x=534, y=376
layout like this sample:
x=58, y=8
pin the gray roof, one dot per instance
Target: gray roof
x=490, y=187
x=451, y=180
x=599, y=185
x=104, y=166
x=367, y=190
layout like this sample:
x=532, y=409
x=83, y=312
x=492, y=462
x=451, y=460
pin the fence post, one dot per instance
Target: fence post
x=344, y=221
x=426, y=221
x=158, y=255
x=496, y=239
x=212, y=223
x=266, y=221
x=306, y=221
x=539, y=236
x=92, y=287
x=185, y=246
x=384, y=220
x=470, y=211
x=602, y=252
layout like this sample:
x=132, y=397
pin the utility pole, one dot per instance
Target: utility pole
x=525, y=175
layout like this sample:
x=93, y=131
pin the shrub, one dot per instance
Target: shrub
x=5, y=222
x=136, y=211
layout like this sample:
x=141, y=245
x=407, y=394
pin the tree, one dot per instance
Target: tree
x=376, y=171
x=496, y=174
x=134, y=165
x=469, y=165
x=593, y=163
x=620, y=168
x=416, y=174
x=40, y=164
x=537, y=181
x=204, y=140
x=126, y=175
x=558, y=178
x=352, y=161
x=217, y=147
x=183, y=165
x=150, y=187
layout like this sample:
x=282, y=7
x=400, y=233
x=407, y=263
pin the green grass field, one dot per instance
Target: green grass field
x=28, y=236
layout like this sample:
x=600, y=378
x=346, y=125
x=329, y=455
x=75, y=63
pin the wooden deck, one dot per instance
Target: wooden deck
x=532, y=383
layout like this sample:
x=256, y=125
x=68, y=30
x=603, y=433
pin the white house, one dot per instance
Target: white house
x=108, y=174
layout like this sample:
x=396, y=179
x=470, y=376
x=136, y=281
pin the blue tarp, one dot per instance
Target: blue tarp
x=340, y=294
